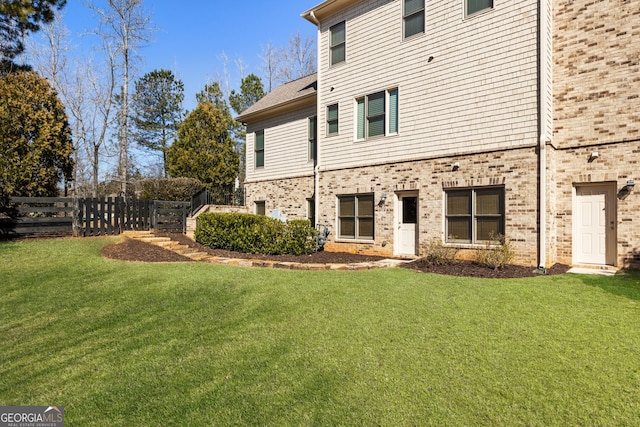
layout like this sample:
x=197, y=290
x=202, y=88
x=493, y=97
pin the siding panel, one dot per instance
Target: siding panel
x=479, y=92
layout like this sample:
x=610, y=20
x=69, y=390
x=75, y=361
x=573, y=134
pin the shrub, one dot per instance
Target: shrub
x=255, y=234
x=439, y=254
x=497, y=253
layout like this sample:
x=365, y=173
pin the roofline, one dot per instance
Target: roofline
x=324, y=9
x=302, y=100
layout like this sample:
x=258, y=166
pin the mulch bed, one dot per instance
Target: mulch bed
x=135, y=250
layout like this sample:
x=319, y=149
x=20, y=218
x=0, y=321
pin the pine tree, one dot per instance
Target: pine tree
x=157, y=111
x=35, y=139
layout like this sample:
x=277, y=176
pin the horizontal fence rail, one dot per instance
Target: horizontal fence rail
x=38, y=215
x=27, y=216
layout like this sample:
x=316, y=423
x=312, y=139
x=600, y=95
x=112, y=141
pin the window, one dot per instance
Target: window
x=475, y=6
x=260, y=208
x=313, y=137
x=413, y=17
x=355, y=217
x=474, y=215
x=337, y=43
x=377, y=114
x=332, y=119
x=259, y=148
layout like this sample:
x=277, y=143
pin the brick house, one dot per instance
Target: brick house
x=456, y=120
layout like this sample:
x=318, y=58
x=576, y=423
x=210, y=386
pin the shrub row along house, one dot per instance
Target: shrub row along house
x=456, y=121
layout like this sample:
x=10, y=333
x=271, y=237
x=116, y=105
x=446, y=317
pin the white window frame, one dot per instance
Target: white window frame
x=465, y=7
x=387, y=115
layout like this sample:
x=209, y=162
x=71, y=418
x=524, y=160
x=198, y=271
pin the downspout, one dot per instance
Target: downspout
x=316, y=168
x=544, y=131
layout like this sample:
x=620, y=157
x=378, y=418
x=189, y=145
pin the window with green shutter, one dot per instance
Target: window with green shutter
x=475, y=6
x=413, y=17
x=377, y=114
x=475, y=215
x=337, y=43
x=332, y=119
x=259, y=148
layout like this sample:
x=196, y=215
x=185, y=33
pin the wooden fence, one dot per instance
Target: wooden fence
x=90, y=216
x=38, y=215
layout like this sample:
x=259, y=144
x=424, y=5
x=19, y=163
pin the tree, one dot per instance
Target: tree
x=35, y=139
x=19, y=18
x=87, y=91
x=298, y=59
x=213, y=93
x=251, y=90
x=125, y=27
x=287, y=63
x=157, y=111
x=204, y=149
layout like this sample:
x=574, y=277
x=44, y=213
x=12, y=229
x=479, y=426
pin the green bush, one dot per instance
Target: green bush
x=255, y=234
x=497, y=253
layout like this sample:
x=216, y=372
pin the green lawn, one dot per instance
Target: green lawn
x=123, y=344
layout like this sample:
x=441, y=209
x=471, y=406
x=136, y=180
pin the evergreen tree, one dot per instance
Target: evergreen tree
x=157, y=111
x=35, y=139
x=204, y=150
x=17, y=20
x=251, y=90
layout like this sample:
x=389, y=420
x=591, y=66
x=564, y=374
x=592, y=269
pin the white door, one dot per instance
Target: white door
x=595, y=226
x=407, y=224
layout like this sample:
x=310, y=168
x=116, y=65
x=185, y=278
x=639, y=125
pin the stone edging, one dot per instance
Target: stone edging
x=186, y=251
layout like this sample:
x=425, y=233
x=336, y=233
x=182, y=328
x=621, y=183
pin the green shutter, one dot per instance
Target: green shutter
x=361, y=118
x=393, y=111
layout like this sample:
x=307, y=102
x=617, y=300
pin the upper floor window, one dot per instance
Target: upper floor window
x=259, y=148
x=377, y=114
x=413, y=17
x=475, y=6
x=313, y=137
x=332, y=119
x=337, y=43
x=474, y=215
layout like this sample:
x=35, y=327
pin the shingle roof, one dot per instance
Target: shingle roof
x=287, y=93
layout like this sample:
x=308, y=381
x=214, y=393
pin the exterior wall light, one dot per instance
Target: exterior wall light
x=594, y=155
x=455, y=166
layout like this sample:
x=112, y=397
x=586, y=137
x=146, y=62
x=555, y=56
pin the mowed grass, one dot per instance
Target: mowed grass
x=121, y=344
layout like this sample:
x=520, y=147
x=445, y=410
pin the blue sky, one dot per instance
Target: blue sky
x=192, y=35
